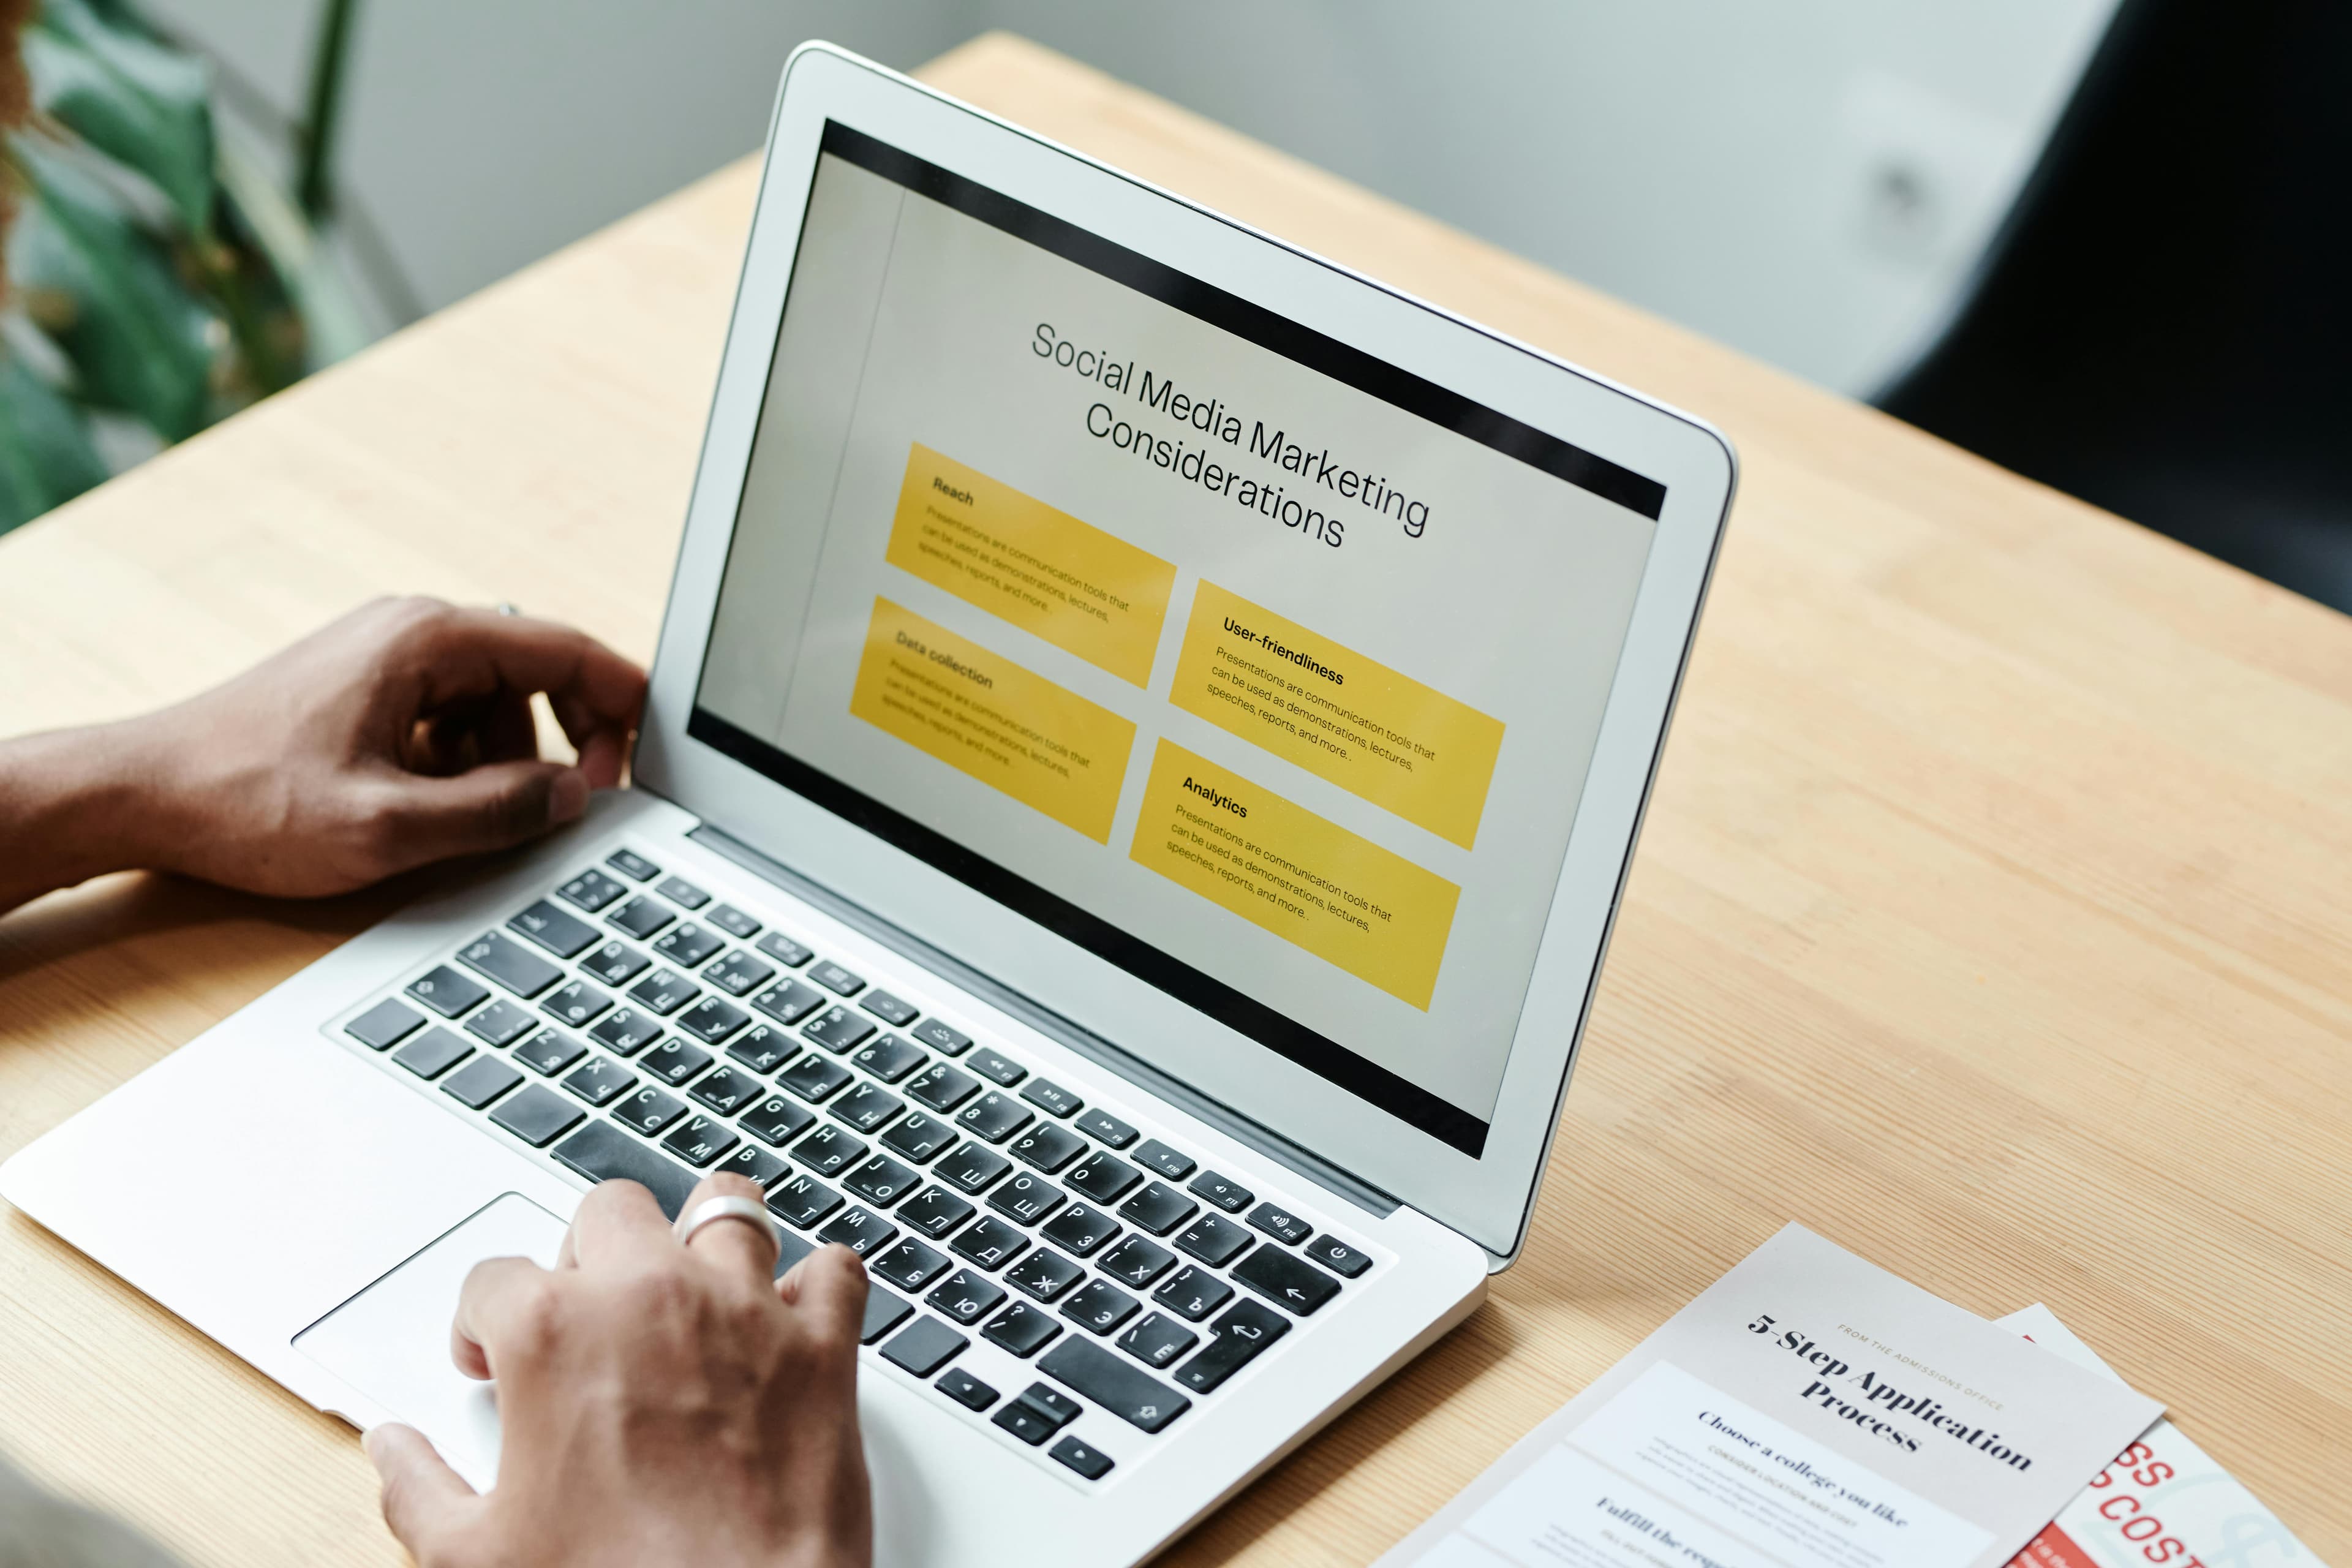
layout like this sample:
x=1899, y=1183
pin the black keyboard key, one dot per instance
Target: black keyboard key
x=765, y=1049
x=788, y=1002
x=754, y=1165
x=548, y=1052
x=939, y=1038
x=1002, y=1071
x=733, y=921
x=860, y=1229
x=603, y=1153
x=631, y=863
x=1192, y=1293
x=385, y=1025
x=600, y=1080
x=1280, y=1224
x=1105, y=1178
x=1022, y=1329
x=1160, y=1157
x=563, y=934
x=884, y=1311
x=934, y=1211
x=1158, y=1340
x=479, y=1081
x=591, y=890
x=1099, y=1306
x=433, y=1053
x=726, y=1091
x=1026, y=1198
x=966, y=1390
x=698, y=1140
x=867, y=1106
x=1157, y=1208
x=1118, y=1386
x=1045, y=1274
x=972, y=1167
x=813, y=1078
x=925, y=1346
x=641, y=916
x=1214, y=1240
x=1337, y=1256
x=908, y=1264
x=1135, y=1262
x=966, y=1297
x=1051, y=1098
x=830, y=1149
x=537, y=1116
x=791, y=1249
x=688, y=945
x=1105, y=1128
x=1079, y=1229
x=509, y=963
x=942, y=1088
x=882, y=1180
x=994, y=1117
x=1091, y=1463
x=663, y=992
x=738, y=973
x=1048, y=1146
x=448, y=993
x=836, y=979
x=680, y=891
x=578, y=1003
x=712, y=1019
x=785, y=949
x=839, y=1029
x=615, y=963
x=889, y=1058
x=1241, y=1336
x=675, y=1062
x=895, y=1011
x=775, y=1120
x=625, y=1031
x=648, y=1110
x=500, y=1024
x=802, y=1200
x=989, y=1242
x=1025, y=1422
x=919, y=1137
x=1285, y=1280
x=1223, y=1191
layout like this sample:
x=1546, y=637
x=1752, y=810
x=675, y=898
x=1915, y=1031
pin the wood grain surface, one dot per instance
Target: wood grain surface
x=1992, y=917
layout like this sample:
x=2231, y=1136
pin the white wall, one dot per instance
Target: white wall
x=1806, y=179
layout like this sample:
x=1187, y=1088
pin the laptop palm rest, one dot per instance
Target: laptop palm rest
x=391, y=1342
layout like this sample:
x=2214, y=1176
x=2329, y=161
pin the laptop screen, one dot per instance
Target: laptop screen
x=1259, y=667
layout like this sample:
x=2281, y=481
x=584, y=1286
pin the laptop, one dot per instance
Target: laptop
x=1146, y=741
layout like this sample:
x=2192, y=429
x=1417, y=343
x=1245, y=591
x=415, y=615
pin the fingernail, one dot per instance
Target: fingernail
x=569, y=798
x=369, y=1442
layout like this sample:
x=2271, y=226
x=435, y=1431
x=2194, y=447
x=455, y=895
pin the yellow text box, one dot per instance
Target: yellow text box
x=1089, y=593
x=1304, y=878
x=1046, y=747
x=1374, y=733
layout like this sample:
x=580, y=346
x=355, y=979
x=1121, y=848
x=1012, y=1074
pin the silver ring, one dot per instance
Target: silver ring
x=710, y=1211
x=506, y=607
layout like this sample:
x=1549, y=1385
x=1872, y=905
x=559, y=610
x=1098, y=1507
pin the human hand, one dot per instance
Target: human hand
x=660, y=1403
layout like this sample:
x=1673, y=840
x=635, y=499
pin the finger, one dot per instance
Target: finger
x=829, y=1288
x=733, y=1244
x=494, y=806
x=614, y=1220
x=425, y=1501
x=496, y=1291
x=596, y=694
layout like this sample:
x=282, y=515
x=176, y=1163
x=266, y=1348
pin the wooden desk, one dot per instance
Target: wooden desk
x=1992, y=920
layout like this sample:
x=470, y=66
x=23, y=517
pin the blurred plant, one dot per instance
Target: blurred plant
x=161, y=279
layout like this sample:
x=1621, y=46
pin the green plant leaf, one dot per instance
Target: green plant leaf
x=140, y=338
x=46, y=454
x=135, y=99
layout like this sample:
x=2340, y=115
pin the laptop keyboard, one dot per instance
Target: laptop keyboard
x=629, y=1026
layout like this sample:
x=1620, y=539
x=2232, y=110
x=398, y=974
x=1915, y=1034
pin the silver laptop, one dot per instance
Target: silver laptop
x=1145, y=744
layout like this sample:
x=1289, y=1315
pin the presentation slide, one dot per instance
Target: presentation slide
x=1208, y=644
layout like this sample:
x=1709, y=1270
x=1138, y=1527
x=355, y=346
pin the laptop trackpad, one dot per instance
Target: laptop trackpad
x=391, y=1342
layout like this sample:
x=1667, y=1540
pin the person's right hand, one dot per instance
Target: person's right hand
x=661, y=1403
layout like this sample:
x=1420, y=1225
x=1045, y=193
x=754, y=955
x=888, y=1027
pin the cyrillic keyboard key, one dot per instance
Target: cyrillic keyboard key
x=663, y=992
x=884, y=1311
x=1285, y=1280
x=500, y=1024
x=972, y=1167
x=882, y=1180
x=1337, y=1256
x=1105, y=1178
x=785, y=949
x=689, y=944
x=1099, y=1306
x=698, y=1140
x=895, y=1011
x=908, y=1264
x=1051, y=1098
x=448, y=993
x=1079, y=1229
x=1280, y=1224
x=1158, y=1340
x=675, y=1062
x=548, y=1052
x=1240, y=1337
x=591, y=890
x=1101, y=1125
x=802, y=1200
x=1091, y=1463
x=537, y=1116
x=603, y=1153
x=860, y=1229
x=384, y=1026
x=562, y=933
x=994, y=1117
x=934, y=1211
x=830, y=1149
x=775, y=1119
x=999, y=1070
x=726, y=1091
x=733, y=921
x=1157, y=1208
x=966, y=1390
x=625, y=1031
x=578, y=1003
x=789, y=1000
x=839, y=1029
x=889, y=1058
x=939, y=1038
x=1137, y=1262
x=1049, y=1146
x=631, y=863
x=867, y=1106
x=836, y=979
x=433, y=1053
x=648, y=1110
x=813, y=1078
x=1192, y=1293
x=1160, y=1157
x=765, y=1049
x=989, y=1242
x=942, y=1088
x=680, y=891
x=1121, y=1387
x=738, y=973
x=1045, y=1274
x=1214, y=1240
x=615, y=963
x=642, y=916
x=1021, y=1329
x=966, y=1297
x=924, y=1346
x=791, y=1248
x=1223, y=1191
x=1026, y=1198
x=479, y=1081
x=754, y=1165
x=712, y=1019
x=919, y=1137
x=509, y=963
x=600, y=1081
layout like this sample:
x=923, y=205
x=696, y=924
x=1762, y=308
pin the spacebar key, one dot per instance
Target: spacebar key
x=603, y=1153
x=1113, y=1385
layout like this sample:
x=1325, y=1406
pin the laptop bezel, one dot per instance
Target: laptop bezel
x=1488, y=1198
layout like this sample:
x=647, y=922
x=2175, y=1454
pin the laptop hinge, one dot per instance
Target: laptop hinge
x=1050, y=1024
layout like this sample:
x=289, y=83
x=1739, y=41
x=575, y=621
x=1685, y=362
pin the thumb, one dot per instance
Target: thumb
x=493, y=807
x=425, y=1501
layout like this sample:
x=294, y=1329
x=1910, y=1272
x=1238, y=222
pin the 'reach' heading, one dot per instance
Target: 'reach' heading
x=1173, y=429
